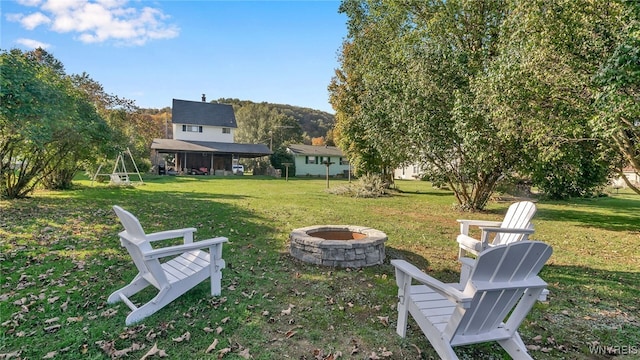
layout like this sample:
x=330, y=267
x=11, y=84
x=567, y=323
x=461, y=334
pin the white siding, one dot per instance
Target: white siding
x=410, y=172
x=209, y=133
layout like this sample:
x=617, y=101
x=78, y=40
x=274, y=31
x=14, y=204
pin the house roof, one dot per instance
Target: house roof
x=242, y=150
x=300, y=149
x=202, y=113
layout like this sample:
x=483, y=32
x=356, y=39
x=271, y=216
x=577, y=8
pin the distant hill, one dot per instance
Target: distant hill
x=314, y=123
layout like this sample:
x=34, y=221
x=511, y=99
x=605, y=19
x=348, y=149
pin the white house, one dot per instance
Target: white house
x=630, y=174
x=409, y=172
x=311, y=160
x=203, y=139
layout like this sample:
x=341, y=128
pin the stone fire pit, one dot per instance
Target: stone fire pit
x=338, y=245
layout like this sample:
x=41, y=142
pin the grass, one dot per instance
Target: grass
x=60, y=259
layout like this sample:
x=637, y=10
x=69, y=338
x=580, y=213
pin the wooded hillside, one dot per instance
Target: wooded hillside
x=314, y=123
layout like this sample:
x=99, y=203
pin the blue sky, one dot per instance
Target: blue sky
x=153, y=51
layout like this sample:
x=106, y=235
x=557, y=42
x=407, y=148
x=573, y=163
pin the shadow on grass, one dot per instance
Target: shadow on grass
x=627, y=219
x=411, y=257
x=575, y=284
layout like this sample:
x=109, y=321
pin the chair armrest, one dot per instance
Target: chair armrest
x=490, y=230
x=445, y=290
x=179, y=249
x=464, y=224
x=506, y=230
x=171, y=234
x=480, y=222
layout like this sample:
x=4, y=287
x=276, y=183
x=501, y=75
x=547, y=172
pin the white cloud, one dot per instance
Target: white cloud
x=32, y=44
x=96, y=21
x=34, y=20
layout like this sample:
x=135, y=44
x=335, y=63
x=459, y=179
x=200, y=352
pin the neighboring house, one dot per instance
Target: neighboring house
x=630, y=174
x=203, y=139
x=409, y=172
x=311, y=160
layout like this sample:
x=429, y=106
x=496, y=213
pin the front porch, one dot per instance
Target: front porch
x=203, y=158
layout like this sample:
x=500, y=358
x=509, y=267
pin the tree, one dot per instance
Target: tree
x=281, y=156
x=262, y=123
x=404, y=91
x=617, y=121
x=539, y=91
x=46, y=124
x=480, y=91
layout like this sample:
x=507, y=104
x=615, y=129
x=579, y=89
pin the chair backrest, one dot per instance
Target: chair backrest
x=134, y=239
x=518, y=216
x=503, y=275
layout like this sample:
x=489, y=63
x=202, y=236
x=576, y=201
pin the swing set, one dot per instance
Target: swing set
x=120, y=175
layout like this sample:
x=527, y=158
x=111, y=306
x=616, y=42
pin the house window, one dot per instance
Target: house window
x=326, y=159
x=226, y=130
x=191, y=128
x=344, y=161
x=311, y=160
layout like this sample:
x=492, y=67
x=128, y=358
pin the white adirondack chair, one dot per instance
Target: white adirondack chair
x=501, y=291
x=515, y=226
x=189, y=266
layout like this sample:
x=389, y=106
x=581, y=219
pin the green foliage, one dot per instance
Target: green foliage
x=403, y=93
x=482, y=90
x=54, y=124
x=617, y=121
x=281, y=156
x=48, y=126
x=278, y=124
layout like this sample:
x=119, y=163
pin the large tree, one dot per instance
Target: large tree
x=617, y=121
x=46, y=124
x=407, y=91
x=478, y=90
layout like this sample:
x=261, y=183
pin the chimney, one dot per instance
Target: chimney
x=204, y=98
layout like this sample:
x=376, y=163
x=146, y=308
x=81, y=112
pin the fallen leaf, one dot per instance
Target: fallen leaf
x=286, y=312
x=223, y=352
x=154, y=351
x=384, y=320
x=52, y=320
x=50, y=355
x=10, y=355
x=185, y=337
x=212, y=346
x=245, y=354
x=225, y=320
x=417, y=350
x=218, y=330
x=52, y=328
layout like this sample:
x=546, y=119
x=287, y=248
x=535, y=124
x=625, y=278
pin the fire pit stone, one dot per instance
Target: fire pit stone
x=346, y=246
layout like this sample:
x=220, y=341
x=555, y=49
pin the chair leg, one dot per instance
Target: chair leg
x=135, y=286
x=163, y=298
x=215, y=267
x=515, y=347
x=216, y=278
x=404, y=285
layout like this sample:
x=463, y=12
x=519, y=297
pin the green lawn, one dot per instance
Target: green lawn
x=61, y=258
